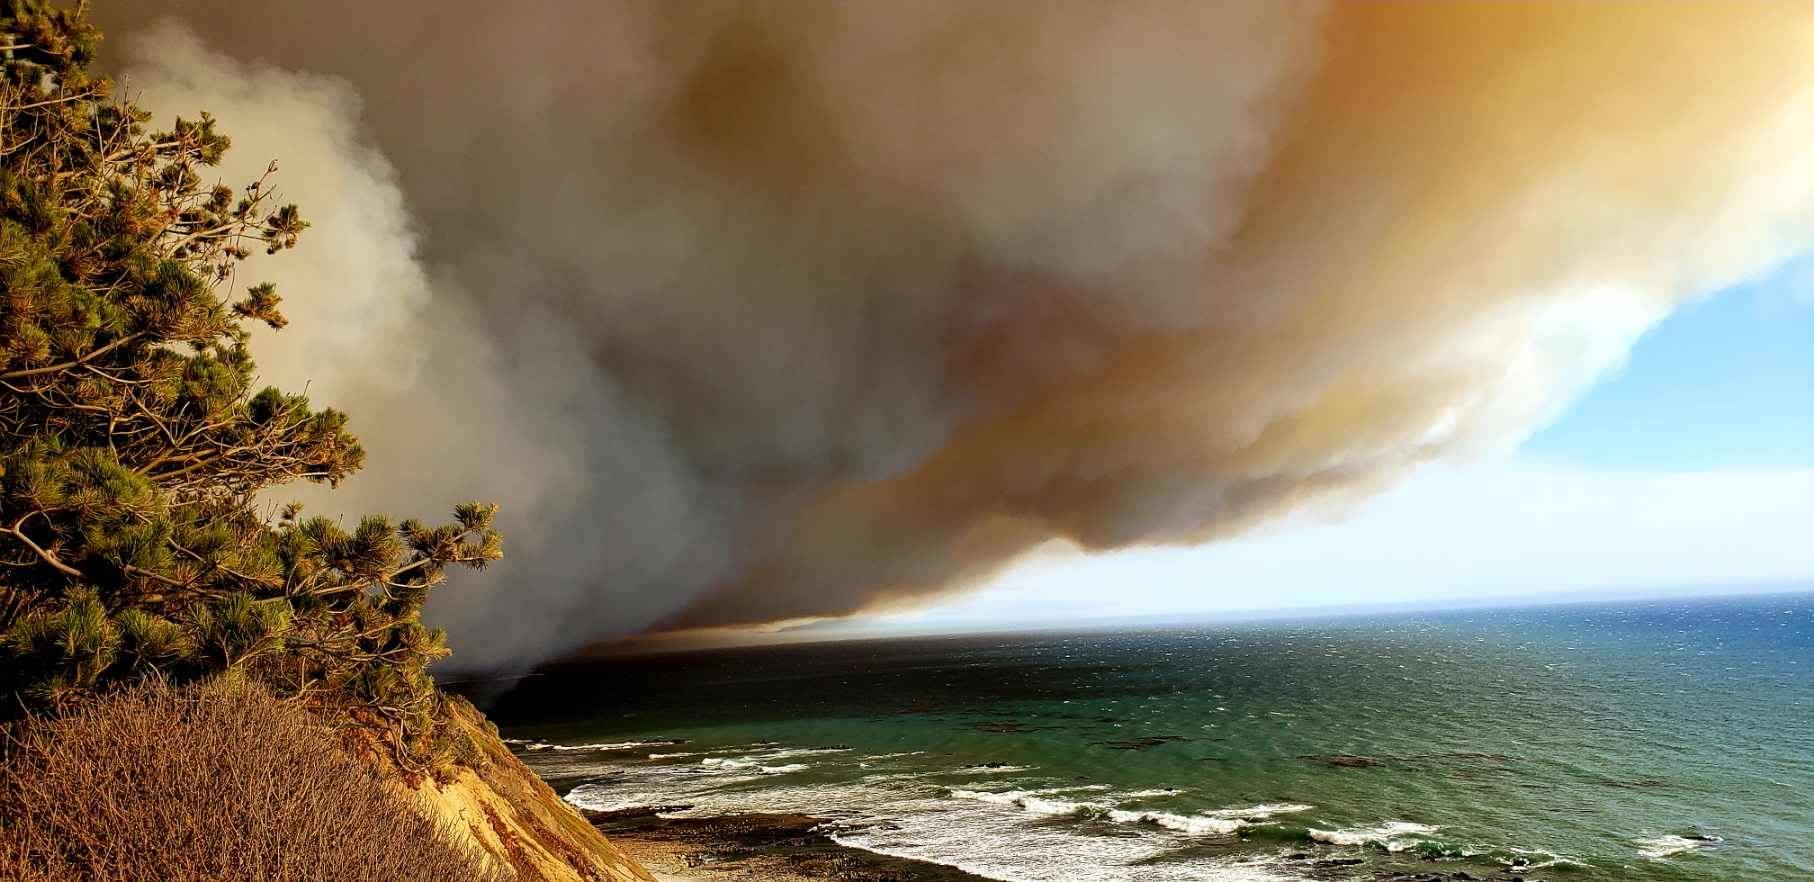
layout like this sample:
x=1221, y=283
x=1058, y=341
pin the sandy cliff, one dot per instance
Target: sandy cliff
x=498, y=805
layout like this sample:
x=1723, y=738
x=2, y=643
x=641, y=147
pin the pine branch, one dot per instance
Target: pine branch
x=42, y=553
x=77, y=362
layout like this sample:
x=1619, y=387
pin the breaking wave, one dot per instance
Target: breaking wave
x=619, y=745
x=1393, y=836
x=756, y=766
x=1657, y=848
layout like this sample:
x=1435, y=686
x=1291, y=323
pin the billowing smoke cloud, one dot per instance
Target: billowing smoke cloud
x=759, y=312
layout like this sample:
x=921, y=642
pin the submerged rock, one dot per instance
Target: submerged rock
x=1145, y=743
x=1347, y=761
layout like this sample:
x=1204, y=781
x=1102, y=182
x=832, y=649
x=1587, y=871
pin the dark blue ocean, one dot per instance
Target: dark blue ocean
x=1668, y=740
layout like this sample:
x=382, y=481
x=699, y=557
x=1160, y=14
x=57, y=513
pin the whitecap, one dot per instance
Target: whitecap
x=924, y=822
x=1028, y=800
x=614, y=745
x=756, y=766
x=1260, y=812
x=1659, y=847
x=1194, y=825
x=1392, y=835
x=1217, y=822
x=598, y=804
x=725, y=762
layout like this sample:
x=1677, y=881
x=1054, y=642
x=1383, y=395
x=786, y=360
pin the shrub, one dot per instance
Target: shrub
x=215, y=782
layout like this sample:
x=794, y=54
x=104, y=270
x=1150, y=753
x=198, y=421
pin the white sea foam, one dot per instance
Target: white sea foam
x=1537, y=859
x=1217, y=822
x=1260, y=812
x=728, y=762
x=1392, y=835
x=996, y=770
x=1007, y=835
x=883, y=777
x=1150, y=794
x=1548, y=862
x=613, y=745
x=1040, y=802
x=1192, y=825
x=1659, y=847
x=602, y=803
x=788, y=753
x=756, y=766
x=1050, y=856
x=661, y=756
x=1034, y=801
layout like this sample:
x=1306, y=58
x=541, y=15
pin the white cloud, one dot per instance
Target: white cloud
x=1492, y=529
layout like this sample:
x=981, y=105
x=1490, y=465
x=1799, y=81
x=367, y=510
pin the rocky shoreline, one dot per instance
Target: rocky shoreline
x=755, y=848
x=767, y=847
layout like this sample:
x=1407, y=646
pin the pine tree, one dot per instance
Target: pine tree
x=133, y=442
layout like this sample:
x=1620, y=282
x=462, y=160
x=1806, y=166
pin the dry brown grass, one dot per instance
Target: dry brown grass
x=211, y=783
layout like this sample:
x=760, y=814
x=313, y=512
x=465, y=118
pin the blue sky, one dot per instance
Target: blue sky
x=1724, y=382
x=1689, y=470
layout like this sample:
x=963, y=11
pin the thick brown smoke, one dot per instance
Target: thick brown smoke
x=752, y=312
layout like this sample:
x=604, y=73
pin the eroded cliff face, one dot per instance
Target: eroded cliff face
x=499, y=807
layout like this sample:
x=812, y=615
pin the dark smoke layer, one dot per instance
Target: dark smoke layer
x=755, y=313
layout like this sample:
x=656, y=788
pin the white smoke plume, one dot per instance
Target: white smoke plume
x=761, y=312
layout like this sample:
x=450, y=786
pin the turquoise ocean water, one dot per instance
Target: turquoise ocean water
x=1669, y=740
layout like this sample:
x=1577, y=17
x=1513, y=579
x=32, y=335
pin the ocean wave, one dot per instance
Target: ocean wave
x=618, y=745
x=1194, y=825
x=660, y=756
x=1150, y=794
x=1260, y=812
x=923, y=821
x=1215, y=822
x=1028, y=800
x=883, y=777
x=1659, y=847
x=1523, y=859
x=756, y=766
x=597, y=804
x=1547, y=863
x=598, y=798
x=1220, y=822
x=1008, y=862
x=995, y=770
x=1392, y=836
x=725, y=762
x=791, y=752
